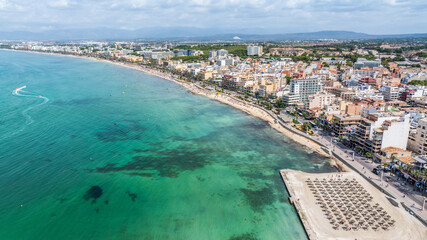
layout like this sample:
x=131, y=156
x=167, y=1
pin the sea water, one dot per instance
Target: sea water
x=91, y=150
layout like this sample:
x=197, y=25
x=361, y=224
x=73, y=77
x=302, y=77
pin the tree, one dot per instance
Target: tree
x=296, y=122
x=407, y=168
x=393, y=159
x=306, y=127
x=417, y=174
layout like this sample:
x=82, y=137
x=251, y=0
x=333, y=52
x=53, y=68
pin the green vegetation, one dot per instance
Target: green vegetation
x=288, y=79
x=385, y=61
x=279, y=104
x=296, y=122
x=303, y=58
x=421, y=54
x=239, y=50
x=325, y=64
x=267, y=105
x=353, y=57
x=418, y=82
x=191, y=58
x=306, y=127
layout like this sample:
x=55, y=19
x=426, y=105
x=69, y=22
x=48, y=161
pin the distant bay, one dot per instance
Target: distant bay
x=115, y=153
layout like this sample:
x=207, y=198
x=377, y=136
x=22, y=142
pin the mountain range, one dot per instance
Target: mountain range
x=191, y=34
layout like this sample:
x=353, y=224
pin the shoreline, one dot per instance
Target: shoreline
x=192, y=87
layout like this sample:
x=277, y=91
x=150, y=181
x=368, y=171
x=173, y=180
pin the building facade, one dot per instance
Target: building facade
x=418, y=142
x=305, y=87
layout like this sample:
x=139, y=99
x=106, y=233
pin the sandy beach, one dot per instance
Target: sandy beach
x=317, y=220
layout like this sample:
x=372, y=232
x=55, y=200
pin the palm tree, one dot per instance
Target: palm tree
x=417, y=174
x=306, y=127
x=393, y=159
x=408, y=168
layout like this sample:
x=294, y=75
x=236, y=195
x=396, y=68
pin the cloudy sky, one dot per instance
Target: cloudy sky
x=275, y=16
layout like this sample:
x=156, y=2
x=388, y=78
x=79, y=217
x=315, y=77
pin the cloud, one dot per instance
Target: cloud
x=59, y=4
x=382, y=16
x=3, y=4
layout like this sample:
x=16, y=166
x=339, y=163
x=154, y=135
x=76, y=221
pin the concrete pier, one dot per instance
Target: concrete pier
x=294, y=201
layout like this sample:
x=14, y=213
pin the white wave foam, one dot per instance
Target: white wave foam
x=29, y=119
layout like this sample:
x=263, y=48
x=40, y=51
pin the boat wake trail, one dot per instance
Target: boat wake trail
x=29, y=120
x=17, y=92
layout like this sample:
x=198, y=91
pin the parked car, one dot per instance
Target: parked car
x=382, y=168
x=376, y=171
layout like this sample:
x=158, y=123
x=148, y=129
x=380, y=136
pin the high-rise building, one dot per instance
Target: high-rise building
x=213, y=54
x=305, y=87
x=254, y=50
x=222, y=53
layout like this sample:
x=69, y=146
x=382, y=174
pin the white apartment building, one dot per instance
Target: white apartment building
x=213, y=54
x=254, y=50
x=379, y=131
x=390, y=93
x=222, y=53
x=305, y=87
x=417, y=141
x=290, y=99
x=320, y=100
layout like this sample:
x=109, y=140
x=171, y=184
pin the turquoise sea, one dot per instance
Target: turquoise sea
x=90, y=150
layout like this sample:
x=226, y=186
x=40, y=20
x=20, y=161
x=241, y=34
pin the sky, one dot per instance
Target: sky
x=270, y=16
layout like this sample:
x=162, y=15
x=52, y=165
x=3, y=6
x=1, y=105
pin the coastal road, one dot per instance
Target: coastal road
x=402, y=193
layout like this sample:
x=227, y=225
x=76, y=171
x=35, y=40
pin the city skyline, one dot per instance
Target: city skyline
x=264, y=17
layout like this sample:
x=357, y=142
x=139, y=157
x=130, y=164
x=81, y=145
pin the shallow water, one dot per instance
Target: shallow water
x=119, y=154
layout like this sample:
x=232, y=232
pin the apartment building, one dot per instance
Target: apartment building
x=254, y=50
x=320, y=100
x=379, y=131
x=363, y=63
x=305, y=87
x=390, y=93
x=417, y=142
x=340, y=124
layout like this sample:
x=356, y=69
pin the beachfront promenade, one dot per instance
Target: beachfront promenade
x=410, y=199
x=364, y=167
x=344, y=154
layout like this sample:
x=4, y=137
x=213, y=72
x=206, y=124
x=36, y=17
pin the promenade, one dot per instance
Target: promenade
x=401, y=193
